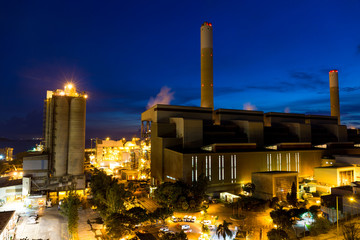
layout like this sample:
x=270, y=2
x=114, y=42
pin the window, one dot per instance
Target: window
x=194, y=168
x=268, y=162
x=221, y=167
x=233, y=168
x=288, y=162
x=278, y=161
x=208, y=167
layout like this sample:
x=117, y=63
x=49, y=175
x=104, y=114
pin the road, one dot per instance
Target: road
x=51, y=225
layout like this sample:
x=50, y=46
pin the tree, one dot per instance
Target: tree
x=292, y=197
x=176, y=236
x=162, y=213
x=351, y=231
x=314, y=209
x=281, y=218
x=118, y=225
x=277, y=234
x=320, y=226
x=273, y=203
x=138, y=215
x=69, y=208
x=249, y=188
x=205, y=229
x=223, y=230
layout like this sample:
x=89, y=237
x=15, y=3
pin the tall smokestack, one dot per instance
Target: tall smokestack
x=334, y=94
x=207, y=93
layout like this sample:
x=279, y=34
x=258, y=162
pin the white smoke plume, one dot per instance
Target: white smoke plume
x=249, y=106
x=287, y=110
x=163, y=97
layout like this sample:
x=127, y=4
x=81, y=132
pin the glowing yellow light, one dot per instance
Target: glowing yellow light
x=351, y=199
x=62, y=93
x=69, y=86
x=15, y=173
x=85, y=96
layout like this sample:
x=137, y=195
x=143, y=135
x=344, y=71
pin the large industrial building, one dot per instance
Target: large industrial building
x=228, y=145
x=61, y=164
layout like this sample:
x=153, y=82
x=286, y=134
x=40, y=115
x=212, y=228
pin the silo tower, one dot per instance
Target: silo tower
x=64, y=131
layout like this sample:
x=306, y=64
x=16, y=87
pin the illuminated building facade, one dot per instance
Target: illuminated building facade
x=122, y=154
x=6, y=154
x=227, y=146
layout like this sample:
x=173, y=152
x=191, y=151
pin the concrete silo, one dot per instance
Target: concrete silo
x=77, y=136
x=61, y=134
x=64, y=131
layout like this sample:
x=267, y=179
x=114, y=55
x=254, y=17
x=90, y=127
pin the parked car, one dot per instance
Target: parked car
x=189, y=218
x=188, y=230
x=185, y=218
x=183, y=226
x=164, y=229
x=193, y=219
x=206, y=222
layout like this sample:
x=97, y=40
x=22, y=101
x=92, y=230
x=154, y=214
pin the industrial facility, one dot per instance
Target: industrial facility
x=228, y=146
x=61, y=164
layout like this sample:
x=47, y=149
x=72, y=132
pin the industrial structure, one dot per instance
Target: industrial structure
x=61, y=163
x=334, y=94
x=227, y=145
x=207, y=96
x=121, y=153
x=6, y=153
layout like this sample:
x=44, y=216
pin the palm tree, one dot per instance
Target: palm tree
x=223, y=230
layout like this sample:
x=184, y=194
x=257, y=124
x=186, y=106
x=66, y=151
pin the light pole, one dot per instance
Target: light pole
x=351, y=199
x=337, y=217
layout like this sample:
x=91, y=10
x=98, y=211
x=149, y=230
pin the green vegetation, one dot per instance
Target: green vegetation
x=117, y=208
x=292, y=197
x=174, y=236
x=182, y=196
x=69, y=208
x=249, y=188
x=351, y=231
x=277, y=234
x=223, y=230
x=320, y=226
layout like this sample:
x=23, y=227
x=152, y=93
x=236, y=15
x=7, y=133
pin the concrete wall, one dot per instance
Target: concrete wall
x=328, y=176
x=190, y=131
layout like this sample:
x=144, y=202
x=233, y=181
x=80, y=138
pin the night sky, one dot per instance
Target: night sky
x=272, y=56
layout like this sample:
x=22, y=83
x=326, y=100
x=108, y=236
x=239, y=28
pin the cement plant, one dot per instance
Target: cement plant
x=195, y=172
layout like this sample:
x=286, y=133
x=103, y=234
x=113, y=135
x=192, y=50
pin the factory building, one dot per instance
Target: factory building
x=6, y=153
x=228, y=145
x=61, y=164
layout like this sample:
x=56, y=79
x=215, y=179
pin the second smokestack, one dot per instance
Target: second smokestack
x=207, y=93
x=334, y=94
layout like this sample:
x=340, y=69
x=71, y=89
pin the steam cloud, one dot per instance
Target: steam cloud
x=249, y=106
x=163, y=97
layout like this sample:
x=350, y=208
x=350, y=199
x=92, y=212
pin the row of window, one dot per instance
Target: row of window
x=269, y=164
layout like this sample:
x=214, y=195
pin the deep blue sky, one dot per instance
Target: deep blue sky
x=272, y=55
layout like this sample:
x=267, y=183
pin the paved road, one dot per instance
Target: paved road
x=51, y=225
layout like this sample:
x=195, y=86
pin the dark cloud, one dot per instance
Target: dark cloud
x=28, y=126
x=302, y=75
x=308, y=80
x=350, y=89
